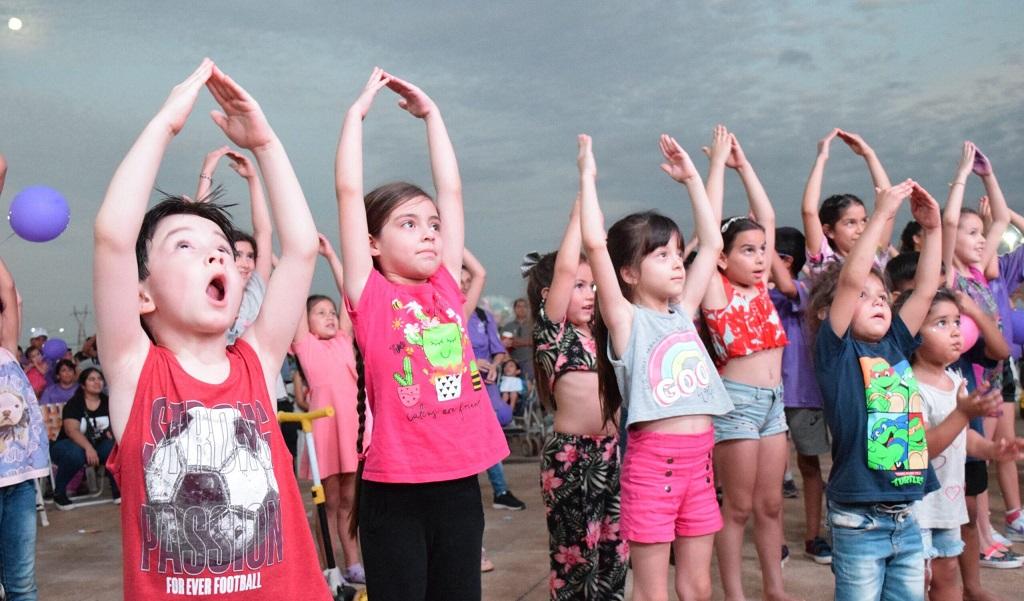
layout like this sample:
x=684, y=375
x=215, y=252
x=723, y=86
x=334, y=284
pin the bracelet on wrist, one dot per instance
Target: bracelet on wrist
x=206, y=177
x=955, y=183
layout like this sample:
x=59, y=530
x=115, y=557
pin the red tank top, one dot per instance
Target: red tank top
x=744, y=325
x=210, y=507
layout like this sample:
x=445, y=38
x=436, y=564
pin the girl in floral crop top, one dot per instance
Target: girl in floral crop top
x=580, y=461
x=748, y=342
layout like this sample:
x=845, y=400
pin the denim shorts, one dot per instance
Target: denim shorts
x=941, y=542
x=876, y=552
x=758, y=413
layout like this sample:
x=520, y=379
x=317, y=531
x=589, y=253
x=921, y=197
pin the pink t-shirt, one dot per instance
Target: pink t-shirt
x=433, y=420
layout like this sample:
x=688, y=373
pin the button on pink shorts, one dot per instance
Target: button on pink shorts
x=668, y=487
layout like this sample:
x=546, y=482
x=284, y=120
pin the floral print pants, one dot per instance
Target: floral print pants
x=580, y=484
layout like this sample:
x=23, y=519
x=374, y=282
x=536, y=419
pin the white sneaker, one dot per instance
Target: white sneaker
x=1015, y=529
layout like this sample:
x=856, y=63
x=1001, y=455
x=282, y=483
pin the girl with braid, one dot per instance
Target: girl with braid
x=421, y=518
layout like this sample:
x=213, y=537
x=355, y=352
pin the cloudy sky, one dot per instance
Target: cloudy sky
x=516, y=82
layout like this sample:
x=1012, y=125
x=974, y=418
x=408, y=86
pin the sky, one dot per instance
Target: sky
x=516, y=82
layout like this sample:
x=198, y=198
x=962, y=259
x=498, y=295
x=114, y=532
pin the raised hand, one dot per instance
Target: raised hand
x=585, y=157
x=983, y=401
x=378, y=79
x=677, y=163
x=212, y=158
x=737, y=160
x=182, y=99
x=855, y=142
x=967, y=160
x=825, y=143
x=889, y=199
x=985, y=212
x=982, y=166
x=721, y=146
x=924, y=208
x=242, y=118
x=3, y=172
x=968, y=306
x=324, y=247
x=413, y=99
x=241, y=164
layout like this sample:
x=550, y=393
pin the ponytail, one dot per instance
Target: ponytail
x=353, y=522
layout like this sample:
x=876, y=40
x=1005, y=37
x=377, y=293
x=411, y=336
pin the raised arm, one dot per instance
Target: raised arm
x=857, y=267
x=679, y=167
x=478, y=276
x=760, y=206
x=244, y=123
x=951, y=213
x=785, y=283
x=929, y=265
x=262, y=227
x=812, y=196
x=616, y=311
x=997, y=203
x=206, y=172
x=348, y=182
x=338, y=272
x=122, y=342
x=10, y=321
x=567, y=263
x=719, y=157
x=445, y=170
x=878, y=175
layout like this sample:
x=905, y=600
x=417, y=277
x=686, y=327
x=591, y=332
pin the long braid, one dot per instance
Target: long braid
x=353, y=523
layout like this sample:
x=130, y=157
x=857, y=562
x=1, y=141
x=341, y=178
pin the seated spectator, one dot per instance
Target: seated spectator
x=64, y=386
x=511, y=384
x=36, y=369
x=85, y=436
x=89, y=355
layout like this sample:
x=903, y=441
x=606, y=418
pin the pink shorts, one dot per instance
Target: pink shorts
x=668, y=487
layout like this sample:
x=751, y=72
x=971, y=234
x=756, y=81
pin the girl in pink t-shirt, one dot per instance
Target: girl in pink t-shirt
x=324, y=347
x=421, y=523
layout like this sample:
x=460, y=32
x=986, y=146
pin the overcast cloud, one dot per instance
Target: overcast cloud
x=516, y=82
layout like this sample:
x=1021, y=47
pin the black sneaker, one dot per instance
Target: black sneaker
x=818, y=550
x=789, y=489
x=508, y=501
x=63, y=502
x=785, y=554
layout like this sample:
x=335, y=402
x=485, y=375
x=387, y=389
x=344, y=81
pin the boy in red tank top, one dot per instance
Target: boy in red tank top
x=210, y=507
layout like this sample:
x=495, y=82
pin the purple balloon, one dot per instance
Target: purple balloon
x=54, y=349
x=39, y=214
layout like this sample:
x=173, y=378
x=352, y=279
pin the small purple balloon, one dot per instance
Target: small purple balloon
x=54, y=349
x=39, y=214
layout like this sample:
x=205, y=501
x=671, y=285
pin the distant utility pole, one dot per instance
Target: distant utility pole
x=80, y=317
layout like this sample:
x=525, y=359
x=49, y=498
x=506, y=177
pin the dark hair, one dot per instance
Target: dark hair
x=207, y=208
x=901, y=269
x=63, y=363
x=910, y=230
x=824, y=292
x=519, y=300
x=33, y=348
x=791, y=242
x=630, y=239
x=82, y=377
x=943, y=294
x=313, y=299
x=733, y=227
x=241, y=236
x=353, y=520
x=832, y=209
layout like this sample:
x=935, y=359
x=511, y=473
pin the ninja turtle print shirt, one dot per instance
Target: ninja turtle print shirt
x=874, y=409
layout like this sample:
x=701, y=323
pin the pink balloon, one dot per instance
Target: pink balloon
x=968, y=331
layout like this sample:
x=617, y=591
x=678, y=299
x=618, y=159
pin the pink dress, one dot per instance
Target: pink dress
x=330, y=370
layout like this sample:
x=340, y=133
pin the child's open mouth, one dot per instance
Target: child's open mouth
x=215, y=289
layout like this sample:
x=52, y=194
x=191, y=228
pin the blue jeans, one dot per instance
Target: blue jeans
x=496, y=474
x=876, y=553
x=69, y=458
x=18, y=541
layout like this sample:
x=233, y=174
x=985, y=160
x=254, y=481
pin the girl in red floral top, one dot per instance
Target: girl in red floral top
x=748, y=339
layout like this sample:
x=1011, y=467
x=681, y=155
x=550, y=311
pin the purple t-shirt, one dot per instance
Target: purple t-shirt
x=1011, y=274
x=55, y=393
x=483, y=335
x=799, y=385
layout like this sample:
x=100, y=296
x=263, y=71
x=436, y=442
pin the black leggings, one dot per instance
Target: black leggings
x=421, y=542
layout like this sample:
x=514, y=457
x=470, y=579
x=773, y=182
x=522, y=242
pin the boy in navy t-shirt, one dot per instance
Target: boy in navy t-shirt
x=873, y=407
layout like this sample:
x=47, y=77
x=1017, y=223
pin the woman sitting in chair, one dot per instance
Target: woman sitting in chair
x=85, y=436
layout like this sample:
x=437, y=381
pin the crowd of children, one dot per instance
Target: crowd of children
x=675, y=379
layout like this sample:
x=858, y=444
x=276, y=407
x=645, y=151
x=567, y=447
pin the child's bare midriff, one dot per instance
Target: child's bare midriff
x=579, y=406
x=762, y=369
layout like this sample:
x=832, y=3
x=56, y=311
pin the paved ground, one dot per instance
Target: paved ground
x=80, y=552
